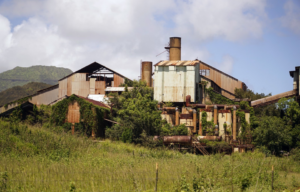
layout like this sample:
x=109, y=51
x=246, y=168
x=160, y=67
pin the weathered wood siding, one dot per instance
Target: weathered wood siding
x=73, y=115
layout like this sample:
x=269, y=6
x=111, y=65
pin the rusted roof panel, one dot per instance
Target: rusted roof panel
x=177, y=63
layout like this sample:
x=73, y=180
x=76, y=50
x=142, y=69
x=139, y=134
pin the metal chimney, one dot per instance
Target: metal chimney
x=147, y=72
x=175, y=48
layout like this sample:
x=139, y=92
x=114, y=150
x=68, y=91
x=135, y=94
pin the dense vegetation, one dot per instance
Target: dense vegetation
x=18, y=92
x=40, y=154
x=22, y=75
x=138, y=115
x=39, y=158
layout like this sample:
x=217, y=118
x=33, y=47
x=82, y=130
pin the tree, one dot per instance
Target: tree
x=273, y=133
x=136, y=112
x=291, y=116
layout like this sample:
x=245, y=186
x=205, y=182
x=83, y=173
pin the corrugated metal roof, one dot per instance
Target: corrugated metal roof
x=177, y=63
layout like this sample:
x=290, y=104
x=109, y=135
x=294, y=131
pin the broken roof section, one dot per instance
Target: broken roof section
x=94, y=68
x=177, y=63
x=98, y=103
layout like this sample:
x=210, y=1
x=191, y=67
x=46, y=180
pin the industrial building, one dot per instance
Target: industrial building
x=91, y=82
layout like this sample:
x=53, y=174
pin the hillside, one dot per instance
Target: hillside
x=18, y=92
x=22, y=75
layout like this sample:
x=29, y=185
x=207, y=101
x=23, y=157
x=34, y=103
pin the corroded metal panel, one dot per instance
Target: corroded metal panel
x=80, y=86
x=63, y=84
x=118, y=80
x=45, y=98
x=173, y=83
x=92, y=86
x=69, y=88
x=73, y=115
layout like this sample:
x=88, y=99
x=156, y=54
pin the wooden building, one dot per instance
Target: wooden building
x=220, y=81
x=92, y=79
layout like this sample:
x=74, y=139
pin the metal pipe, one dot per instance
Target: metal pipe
x=188, y=104
x=195, y=120
x=200, y=124
x=176, y=116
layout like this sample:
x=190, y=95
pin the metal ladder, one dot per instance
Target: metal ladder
x=201, y=148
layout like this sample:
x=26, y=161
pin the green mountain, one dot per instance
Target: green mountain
x=19, y=92
x=20, y=76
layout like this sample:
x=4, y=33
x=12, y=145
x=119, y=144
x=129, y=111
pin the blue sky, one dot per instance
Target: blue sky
x=256, y=41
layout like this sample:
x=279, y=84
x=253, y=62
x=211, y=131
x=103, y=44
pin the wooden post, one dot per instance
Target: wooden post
x=73, y=128
x=215, y=114
x=156, y=181
x=176, y=116
x=234, y=124
x=195, y=120
x=200, y=124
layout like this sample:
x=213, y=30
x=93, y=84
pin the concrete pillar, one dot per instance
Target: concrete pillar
x=176, y=116
x=215, y=115
x=200, y=124
x=224, y=116
x=195, y=120
x=247, y=117
x=234, y=124
x=209, y=115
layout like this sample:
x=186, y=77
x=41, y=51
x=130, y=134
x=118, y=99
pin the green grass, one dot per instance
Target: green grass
x=48, y=159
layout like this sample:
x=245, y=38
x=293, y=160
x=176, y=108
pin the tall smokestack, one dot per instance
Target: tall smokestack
x=175, y=48
x=147, y=72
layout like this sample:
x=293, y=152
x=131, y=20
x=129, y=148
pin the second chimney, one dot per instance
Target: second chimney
x=175, y=48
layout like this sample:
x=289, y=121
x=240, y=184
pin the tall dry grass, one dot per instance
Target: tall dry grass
x=43, y=159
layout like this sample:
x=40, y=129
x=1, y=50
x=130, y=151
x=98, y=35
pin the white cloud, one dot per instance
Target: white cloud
x=227, y=64
x=230, y=20
x=120, y=33
x=291, y=19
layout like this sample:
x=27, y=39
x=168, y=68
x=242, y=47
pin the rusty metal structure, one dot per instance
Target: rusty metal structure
x=174, y=49
x=147, y=72
x=274, y=98
x=220, y=81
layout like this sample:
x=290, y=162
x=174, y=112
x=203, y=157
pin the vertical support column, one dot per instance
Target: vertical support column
x=195, y=120
x=215, y=115
x=234, y=124
x=200, y=124
x=176, y=116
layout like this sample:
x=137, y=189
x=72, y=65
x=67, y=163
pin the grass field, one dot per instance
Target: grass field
x=44, y=159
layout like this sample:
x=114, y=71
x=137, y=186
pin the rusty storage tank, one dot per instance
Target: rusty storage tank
x=175, y=48
x=180, y=139
x=147, y=72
